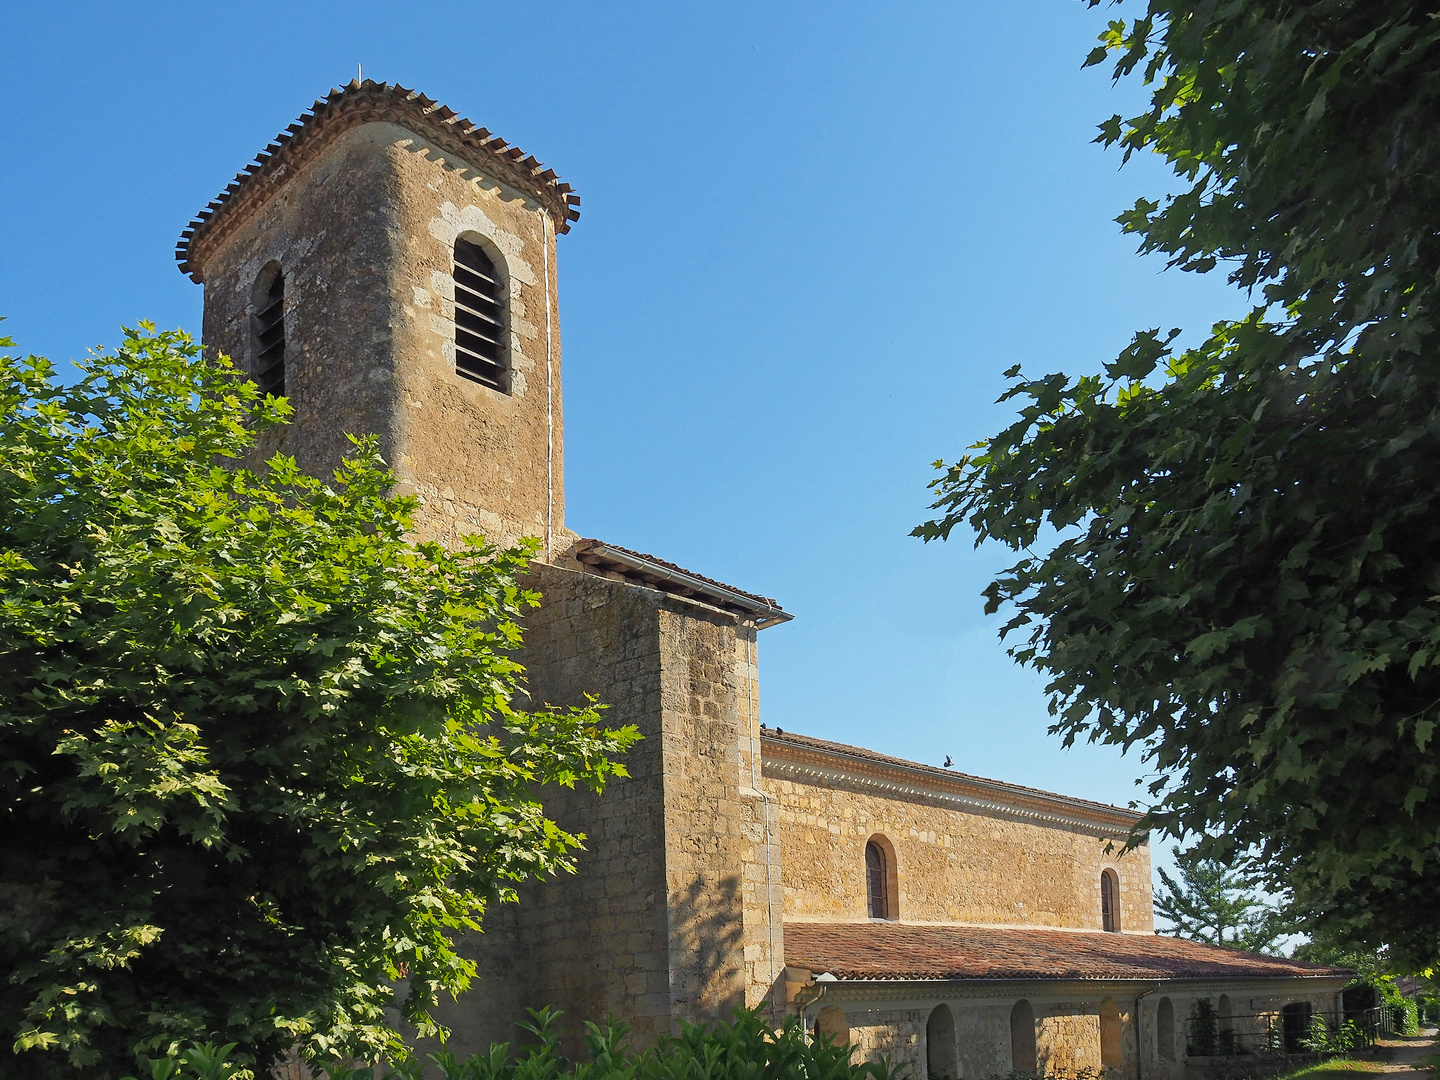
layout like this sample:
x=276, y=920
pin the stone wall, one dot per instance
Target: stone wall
x=599, y=940
x=1067, y=1038
x=895, y=1034
x=1068, y=1025
x=715, y=854
x=666, y=917
x=364, y=235
x=989, y=867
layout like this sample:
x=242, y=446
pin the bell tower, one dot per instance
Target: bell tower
x=390, y=267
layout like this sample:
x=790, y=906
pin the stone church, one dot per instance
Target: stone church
x=392, y=268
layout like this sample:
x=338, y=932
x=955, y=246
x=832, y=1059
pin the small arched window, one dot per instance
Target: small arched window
x=268, y=326
x=1022, y=1038
x=877, y=881
x=480, y=352
x=942, y=1056
x=1165, y=1029
x=1110, y=901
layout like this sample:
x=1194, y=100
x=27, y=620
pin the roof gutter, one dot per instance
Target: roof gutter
x=763, y=614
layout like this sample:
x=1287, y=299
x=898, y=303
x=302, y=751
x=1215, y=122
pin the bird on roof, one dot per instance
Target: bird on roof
x=948, y=762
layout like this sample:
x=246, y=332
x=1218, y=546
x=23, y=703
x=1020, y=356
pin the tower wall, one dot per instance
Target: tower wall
x=365, y=235
x=669, y=915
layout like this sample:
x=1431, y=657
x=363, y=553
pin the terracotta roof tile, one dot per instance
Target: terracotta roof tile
x=899, y=951
x=360, y=103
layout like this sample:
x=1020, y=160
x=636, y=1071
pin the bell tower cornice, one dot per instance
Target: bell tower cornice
x=339, y=111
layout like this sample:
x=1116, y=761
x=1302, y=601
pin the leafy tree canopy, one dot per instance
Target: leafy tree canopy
x=1231, y=552
x=1218, y=904
x=258, y=757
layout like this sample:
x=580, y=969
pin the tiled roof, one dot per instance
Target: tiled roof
x=360, y=103
x=825, y=746
x=878, y=950
x=666, y=576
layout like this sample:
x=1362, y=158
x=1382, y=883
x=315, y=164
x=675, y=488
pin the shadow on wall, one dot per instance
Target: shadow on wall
x=1022, y=1038
x=1112, y=1045
x=707, y=950
x=942, y=1057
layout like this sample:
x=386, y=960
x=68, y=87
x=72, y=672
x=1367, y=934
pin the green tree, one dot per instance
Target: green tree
x=1230, y=553
x=1218, y=904
x=258, y=756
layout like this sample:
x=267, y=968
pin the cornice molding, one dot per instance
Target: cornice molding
x=895, y=994
x=832, y=769
x=363, y=103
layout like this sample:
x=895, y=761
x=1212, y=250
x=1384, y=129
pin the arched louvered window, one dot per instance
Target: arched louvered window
x=1110, y=901
x=876, y=881
x=268, y=367
x=480, y=353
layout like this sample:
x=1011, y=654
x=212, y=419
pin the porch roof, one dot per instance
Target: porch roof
x=912, y=952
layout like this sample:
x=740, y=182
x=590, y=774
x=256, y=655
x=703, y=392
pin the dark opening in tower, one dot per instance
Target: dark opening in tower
x=268, y=367
x=480, y=353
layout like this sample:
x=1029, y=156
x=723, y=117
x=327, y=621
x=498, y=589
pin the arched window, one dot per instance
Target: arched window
x=881, y=881
x=942, y=1057
x=1112, y=1047
x=267, y=367
x=1110, y=901
x=480, y=352
x=832, y=1022
x=1165, y=1029
x=1022, y=1037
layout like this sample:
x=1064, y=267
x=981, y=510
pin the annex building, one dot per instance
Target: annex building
x=392, y=269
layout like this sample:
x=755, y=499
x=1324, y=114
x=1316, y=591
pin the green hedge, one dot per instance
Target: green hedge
x=743, y=1049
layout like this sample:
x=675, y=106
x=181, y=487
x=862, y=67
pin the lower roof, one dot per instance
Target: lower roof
x=900, y=951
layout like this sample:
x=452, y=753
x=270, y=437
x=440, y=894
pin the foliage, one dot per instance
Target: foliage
x=197, y=1062
x=1372, y=966
x=1219, y=905
x=1405, y=1016
x=743, y=1049
x=257, y=751
x=1230, y=553
x=1319, y=1038
x=1373, y=986
x=1203, y=1033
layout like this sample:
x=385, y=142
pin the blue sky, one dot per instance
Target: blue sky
x=813, y=236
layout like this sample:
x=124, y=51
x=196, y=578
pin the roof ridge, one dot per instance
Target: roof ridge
x=364, y=102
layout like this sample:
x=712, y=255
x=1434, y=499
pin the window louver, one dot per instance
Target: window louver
x=479, y=319
x=270, y=339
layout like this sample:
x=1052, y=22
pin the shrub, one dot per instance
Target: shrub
x=1204, y=1040
x=743, y=1049
x=258, y=753
x=1319, y=1038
